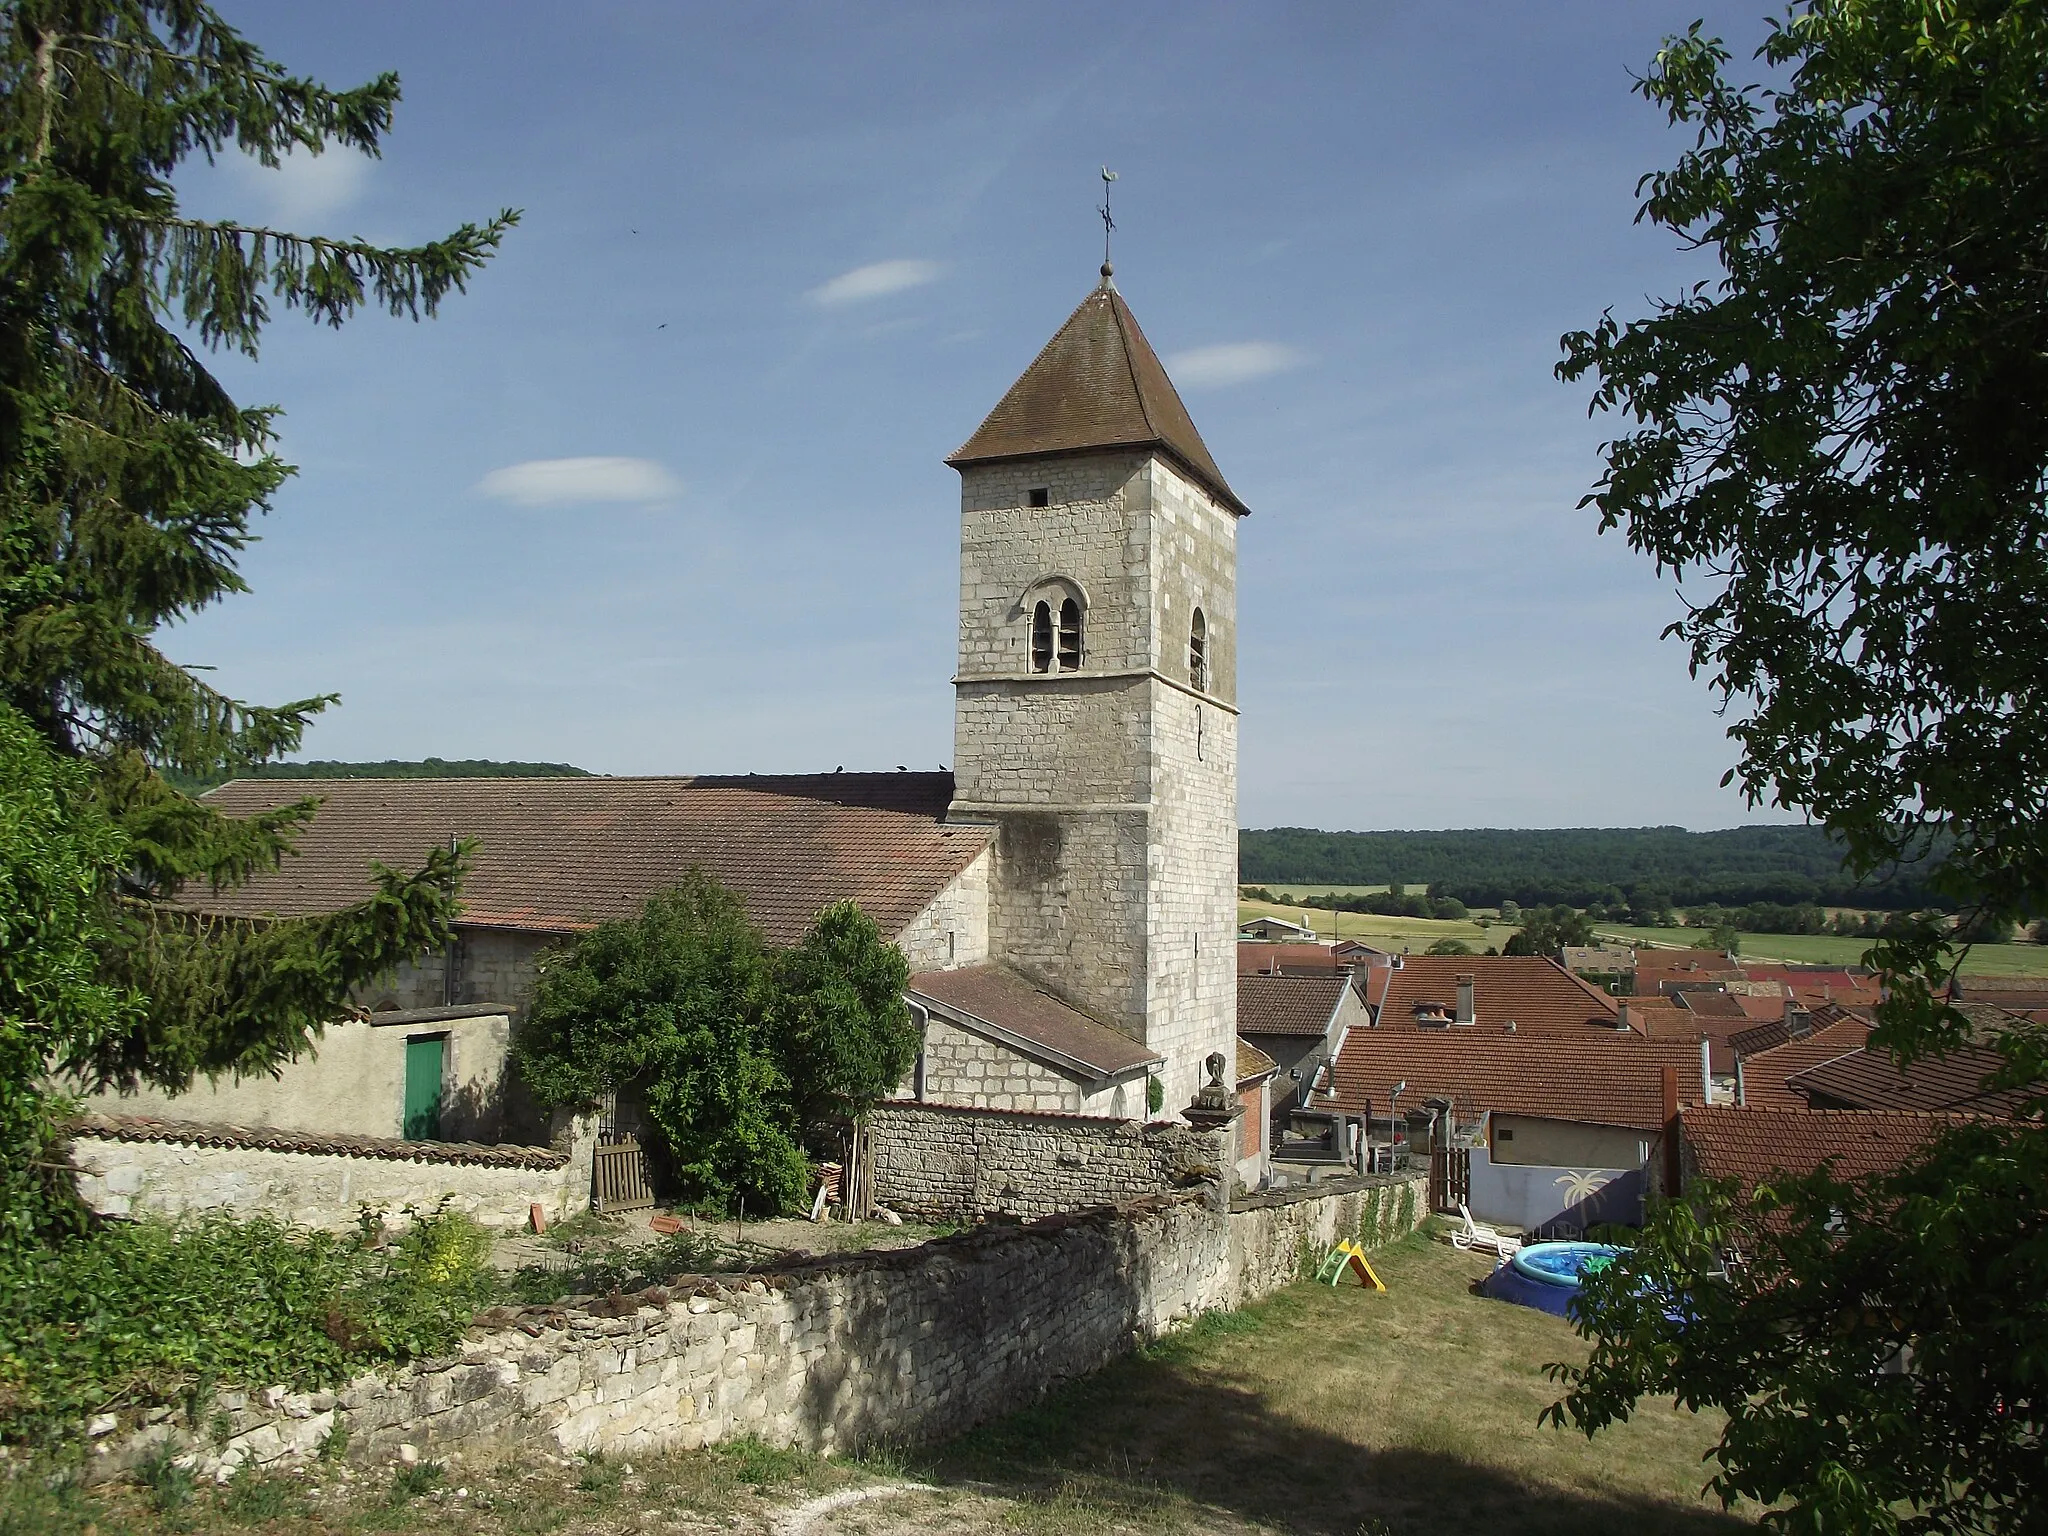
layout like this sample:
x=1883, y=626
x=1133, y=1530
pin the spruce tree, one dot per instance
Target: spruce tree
x=129, y=479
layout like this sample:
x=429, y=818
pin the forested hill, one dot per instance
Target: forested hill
x=426, y=768
x=1578, y=865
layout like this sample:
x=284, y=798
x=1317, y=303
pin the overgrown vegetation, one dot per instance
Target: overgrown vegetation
x=155, y=1312
x=733, y=1047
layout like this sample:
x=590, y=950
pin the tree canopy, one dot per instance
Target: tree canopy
x=732, y=1048
x=1577, y=866
x=129, y=478
x=1840, y=450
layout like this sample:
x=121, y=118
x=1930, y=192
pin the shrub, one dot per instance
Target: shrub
x=155, y=1312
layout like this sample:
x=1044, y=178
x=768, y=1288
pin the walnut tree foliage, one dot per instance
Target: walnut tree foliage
x=1840, y=448
x=733, y=1048
x=129, y=479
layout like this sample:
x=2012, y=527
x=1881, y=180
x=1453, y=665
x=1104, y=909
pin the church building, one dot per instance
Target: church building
x=1066, y=896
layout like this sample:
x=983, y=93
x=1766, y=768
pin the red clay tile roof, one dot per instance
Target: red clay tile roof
x=1867, y=1080
x=1031, y=1018
x=1671, y=1022
x=562, y=854
x=1765, y=1070
x=1288, y=1005
x=1533, y=990
x=268, y=1139
x=1599, y=1076
x=1753, y=1145
x=1711, y=1005
x=1252, y=1063
x=1097, y=384
x=1257, y=957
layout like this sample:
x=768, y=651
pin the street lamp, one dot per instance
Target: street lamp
x=1398, y=1089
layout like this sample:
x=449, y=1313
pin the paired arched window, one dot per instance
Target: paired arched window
x=1070, y=636
x=1056, y=639
x=1198, y=653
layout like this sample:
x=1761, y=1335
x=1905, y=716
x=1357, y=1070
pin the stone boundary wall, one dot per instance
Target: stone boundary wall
x=951, y=1163
x=833, y=1354
x=313, y=1181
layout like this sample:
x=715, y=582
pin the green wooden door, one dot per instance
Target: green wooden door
x=423, y=1059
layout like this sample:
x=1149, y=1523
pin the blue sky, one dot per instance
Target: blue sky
x=778, y=260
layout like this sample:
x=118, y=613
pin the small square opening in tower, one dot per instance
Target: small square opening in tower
x=1041, y=496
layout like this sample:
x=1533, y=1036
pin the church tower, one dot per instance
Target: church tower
x=1095, y=712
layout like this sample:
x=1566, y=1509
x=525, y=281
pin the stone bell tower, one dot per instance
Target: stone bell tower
x=1096, y=699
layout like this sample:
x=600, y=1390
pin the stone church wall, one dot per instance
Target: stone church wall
x=868, y=1349
x=952, y=931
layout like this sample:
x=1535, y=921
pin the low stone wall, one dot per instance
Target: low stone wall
x=131, y=1165
x=1276, y=1236
x=888, y=1347
x=945, y=1163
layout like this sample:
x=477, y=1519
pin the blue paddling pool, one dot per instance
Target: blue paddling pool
x=1546, y=1276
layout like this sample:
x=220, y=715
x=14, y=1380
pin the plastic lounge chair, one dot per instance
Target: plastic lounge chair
x=1477, y=1237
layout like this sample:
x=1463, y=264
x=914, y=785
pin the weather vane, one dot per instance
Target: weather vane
x=1108, y=224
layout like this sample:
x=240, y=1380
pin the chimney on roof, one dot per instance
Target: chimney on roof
x=1465, y=998
x=1621, y=1015
x=1798, y=1022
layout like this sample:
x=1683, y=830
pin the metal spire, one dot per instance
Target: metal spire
x=1108, y=224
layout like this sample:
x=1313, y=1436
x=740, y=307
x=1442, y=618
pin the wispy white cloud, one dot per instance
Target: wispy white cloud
x=305, y=187
x=1231, y=362
x=576, y=482
x=873, y=281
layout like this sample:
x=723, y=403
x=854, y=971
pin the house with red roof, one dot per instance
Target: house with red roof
x=1555, y=1097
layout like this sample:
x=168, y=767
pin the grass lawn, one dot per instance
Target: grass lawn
x=1417, y=933
x=1334, y=1412
x=1319, y=1413
x=1826, y=949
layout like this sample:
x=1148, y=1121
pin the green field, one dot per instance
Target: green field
x=1414, y=934
x=1825, y=949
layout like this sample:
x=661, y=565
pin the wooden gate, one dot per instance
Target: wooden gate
x=619, y=1180
x=1450, y=1177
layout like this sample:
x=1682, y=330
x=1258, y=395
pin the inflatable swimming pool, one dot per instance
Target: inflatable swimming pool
x=1546, y=1275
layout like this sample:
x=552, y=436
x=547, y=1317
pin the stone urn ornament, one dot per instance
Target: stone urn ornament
x=1214, y=1105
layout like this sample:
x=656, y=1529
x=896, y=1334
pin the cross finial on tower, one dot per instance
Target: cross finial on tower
x=1108, y=224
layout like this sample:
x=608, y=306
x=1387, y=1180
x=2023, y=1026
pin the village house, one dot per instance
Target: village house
x=1767, y=1056
x=1748, y=1147
x=1276, y=930
x=1554, y=1128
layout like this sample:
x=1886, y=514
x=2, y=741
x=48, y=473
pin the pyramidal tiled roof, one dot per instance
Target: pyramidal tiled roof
x=1097, y=384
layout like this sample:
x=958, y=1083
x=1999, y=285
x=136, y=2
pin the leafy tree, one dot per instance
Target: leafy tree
x=1845, y=441
x=1843, y=1282
x=128, y=481
x=1546, y=931
x=1449, y=947
x=734, y=1048
x=57, y=854
x=674, y=1003
x=839, y=1026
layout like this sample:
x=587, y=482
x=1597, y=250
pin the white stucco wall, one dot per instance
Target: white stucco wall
x=353, y=1083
